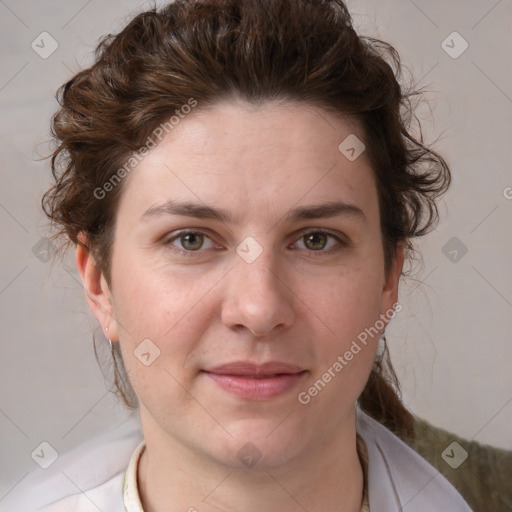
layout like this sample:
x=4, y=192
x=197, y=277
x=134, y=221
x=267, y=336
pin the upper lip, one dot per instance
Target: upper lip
x=250, y=368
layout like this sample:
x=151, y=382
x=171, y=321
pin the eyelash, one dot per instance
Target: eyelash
x=188, y=253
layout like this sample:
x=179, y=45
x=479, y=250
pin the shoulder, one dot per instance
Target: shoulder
x=399, y=479
x=89, y=477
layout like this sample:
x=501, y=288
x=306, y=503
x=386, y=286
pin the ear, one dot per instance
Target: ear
x=392, y=278
x=97, y=291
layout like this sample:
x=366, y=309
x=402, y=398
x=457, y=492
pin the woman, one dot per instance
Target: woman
x=242, y=190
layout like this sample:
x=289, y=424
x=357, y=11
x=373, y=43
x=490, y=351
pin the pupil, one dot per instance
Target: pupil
x=318, y=241
x=192, y=241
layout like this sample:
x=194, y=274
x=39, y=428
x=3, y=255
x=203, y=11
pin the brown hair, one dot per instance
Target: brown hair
x=255, y=51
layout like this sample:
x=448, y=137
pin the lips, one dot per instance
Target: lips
x=256, y=381
x=247, y=368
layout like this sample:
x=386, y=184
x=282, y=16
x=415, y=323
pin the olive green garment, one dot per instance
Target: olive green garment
x=484, y=479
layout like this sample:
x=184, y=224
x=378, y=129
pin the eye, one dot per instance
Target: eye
x=320, y=241
x=190, y=241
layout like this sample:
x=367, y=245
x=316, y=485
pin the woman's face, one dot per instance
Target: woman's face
x=247, y=271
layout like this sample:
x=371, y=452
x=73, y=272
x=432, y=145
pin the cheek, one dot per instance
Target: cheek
x=153, y=302
x=346, y=341
x=170, y=309
x=346, y=308
x=159, y=327
x=345, y=303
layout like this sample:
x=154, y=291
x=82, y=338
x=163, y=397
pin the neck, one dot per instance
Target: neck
x=173, y=478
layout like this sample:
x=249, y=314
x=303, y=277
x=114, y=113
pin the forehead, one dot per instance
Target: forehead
x=247, y=157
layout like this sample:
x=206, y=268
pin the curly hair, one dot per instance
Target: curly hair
x=209, y=50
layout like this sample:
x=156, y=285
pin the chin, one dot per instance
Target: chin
x=263, y=444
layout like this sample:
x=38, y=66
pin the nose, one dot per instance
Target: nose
x=256, y=298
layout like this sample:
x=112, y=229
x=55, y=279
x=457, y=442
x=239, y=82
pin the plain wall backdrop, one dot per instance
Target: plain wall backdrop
x=451, y=343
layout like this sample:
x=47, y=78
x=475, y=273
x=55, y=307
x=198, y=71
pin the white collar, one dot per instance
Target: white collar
x=131, y=496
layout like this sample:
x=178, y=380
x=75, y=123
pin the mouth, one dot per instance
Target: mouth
x=256, y=381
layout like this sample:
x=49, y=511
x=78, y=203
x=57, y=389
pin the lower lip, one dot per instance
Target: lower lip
x=257, y=388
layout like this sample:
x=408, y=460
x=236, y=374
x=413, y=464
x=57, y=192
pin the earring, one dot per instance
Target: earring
x=109, y=340
x=382, y=346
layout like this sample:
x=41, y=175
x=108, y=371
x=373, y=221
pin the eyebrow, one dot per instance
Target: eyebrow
x=201, y=211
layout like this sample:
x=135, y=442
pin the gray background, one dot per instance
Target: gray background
x=450, y=344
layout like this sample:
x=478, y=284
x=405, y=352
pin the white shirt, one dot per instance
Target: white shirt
x=90, y=477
